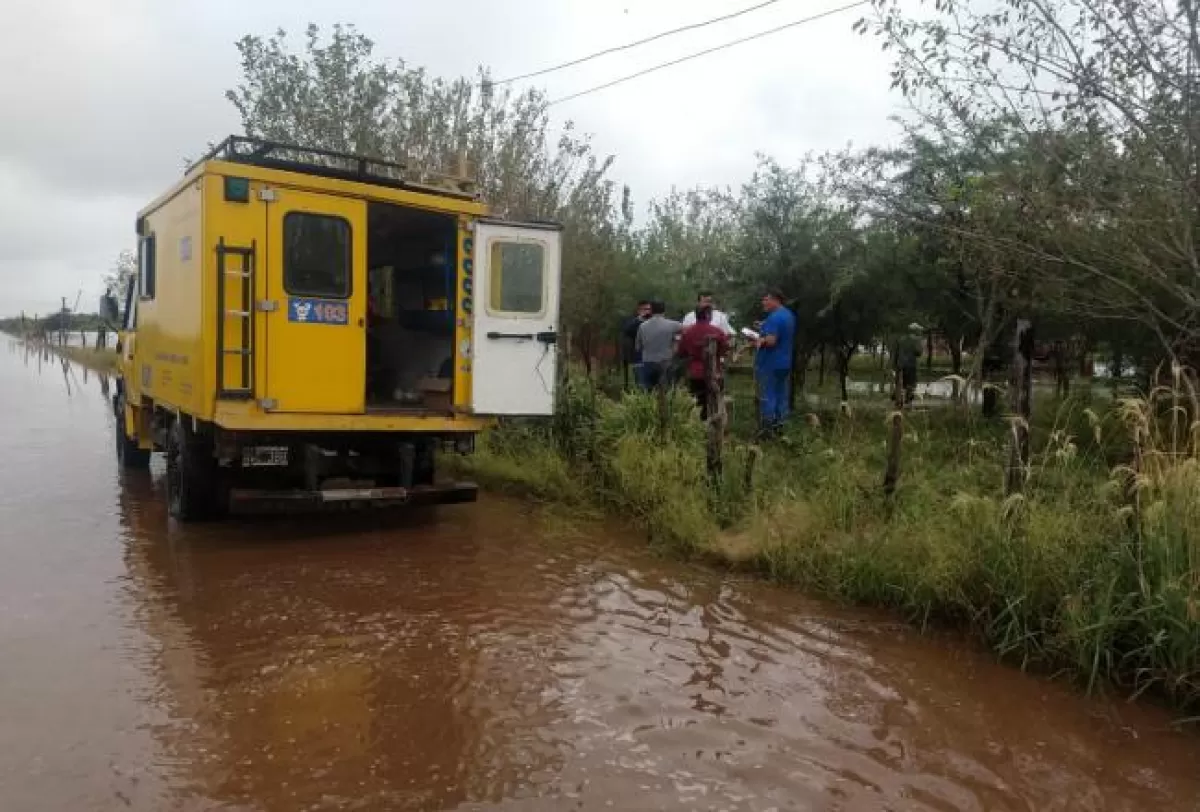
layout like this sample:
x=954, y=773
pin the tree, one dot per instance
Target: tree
x=337, y=94
x=687, y=245
x=122, y=273
x=1101, y=95
x=791, y=238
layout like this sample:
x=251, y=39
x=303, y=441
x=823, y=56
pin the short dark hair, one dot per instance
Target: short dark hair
x=658, y=307
x=702, y=294
x=643, y=302
x=704, y=313
x=774, y=293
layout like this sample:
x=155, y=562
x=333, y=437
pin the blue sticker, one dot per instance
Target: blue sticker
x=317, y=311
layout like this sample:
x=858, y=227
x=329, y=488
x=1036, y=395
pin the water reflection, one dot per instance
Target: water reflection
x=345, y=662
x=42, y=358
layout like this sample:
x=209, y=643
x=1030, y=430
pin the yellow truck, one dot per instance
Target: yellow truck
x=309, y=328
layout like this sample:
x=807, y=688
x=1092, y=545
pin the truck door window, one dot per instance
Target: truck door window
x=130, y=313
x=517, y=277
x=316, y=255
x=147, y=266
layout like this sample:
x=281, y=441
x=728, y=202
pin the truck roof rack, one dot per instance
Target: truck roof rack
x=332, y=164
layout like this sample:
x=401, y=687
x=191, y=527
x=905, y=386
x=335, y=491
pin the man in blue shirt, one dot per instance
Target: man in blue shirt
x=773, y=361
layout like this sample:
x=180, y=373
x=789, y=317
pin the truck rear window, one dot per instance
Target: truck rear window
x=316, y=255
x=518, y=277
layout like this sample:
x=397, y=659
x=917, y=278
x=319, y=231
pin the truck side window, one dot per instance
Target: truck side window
x=147, y=266
x=130, y=314
x=316, y=255
x=517, y=277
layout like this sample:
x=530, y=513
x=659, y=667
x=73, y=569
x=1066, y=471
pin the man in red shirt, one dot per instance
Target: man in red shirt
x=691, y=348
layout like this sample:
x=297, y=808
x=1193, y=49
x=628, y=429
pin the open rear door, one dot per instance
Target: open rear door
x=515, y=318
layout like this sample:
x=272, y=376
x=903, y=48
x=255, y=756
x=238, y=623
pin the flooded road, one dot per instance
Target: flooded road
x=479, y=657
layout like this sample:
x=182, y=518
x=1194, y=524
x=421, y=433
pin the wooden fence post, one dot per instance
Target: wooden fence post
x=891, y=476
x=714, y=406
x=564, y=360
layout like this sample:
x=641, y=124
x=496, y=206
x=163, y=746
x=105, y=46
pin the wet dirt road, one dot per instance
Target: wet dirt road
x=479, y=657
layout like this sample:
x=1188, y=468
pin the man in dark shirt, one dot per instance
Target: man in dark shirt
x=905, y=357
x=630, y=357
x=692, y=343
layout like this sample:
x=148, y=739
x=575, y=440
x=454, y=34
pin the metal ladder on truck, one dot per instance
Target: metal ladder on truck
x=235, y=309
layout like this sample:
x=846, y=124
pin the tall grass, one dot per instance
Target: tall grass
x=1094, y=569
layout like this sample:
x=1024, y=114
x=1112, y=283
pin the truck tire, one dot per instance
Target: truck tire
x=129, y=456
x=425, y=462
x=192, y=473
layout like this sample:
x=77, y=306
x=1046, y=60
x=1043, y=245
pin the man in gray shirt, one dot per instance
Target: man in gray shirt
x=656, y=343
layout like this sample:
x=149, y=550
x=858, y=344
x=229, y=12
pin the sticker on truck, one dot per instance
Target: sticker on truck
x=317, y=311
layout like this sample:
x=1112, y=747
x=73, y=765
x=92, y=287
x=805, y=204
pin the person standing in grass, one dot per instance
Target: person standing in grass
x=656, y=344
x=692, y=343
x=905, y=358
x=773, y=361
x=629, y=330
x=719, y=319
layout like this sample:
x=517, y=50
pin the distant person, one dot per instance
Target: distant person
x=692, y=343
x=773, y=361
x=719, y=319
x=656, y=344
x=905, y=359
x=630, y=357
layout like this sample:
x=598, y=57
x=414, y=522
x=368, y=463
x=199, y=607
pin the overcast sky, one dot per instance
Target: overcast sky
x=102, y=99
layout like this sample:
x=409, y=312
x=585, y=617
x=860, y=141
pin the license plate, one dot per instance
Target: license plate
x=264, y=456
x=351, y=494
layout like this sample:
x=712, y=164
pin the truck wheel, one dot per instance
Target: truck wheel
x=129, y=456
x=191, y=475
x=423, y=468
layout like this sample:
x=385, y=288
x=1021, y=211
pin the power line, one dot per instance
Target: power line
x=626, y=47
x=712, y=50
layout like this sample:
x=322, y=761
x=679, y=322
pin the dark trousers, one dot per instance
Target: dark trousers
x=908, y=378
x=654, y=375
x=699, y=389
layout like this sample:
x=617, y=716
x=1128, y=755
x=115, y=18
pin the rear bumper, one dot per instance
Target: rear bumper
x=247, y=416
x=244, y=500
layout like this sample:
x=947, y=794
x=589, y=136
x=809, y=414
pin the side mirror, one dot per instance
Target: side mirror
x=110, y=311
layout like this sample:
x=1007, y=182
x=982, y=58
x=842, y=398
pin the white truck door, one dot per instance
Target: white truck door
x=517, y=273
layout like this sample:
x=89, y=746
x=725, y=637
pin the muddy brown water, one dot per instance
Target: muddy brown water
x=479, y=657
